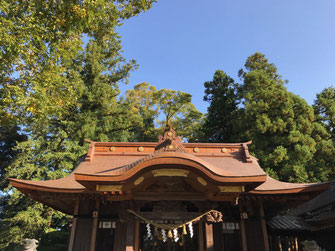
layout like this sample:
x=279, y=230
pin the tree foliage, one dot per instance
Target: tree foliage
x=278, y=122
x=61, y=65
x=160, y=107
x=324, y=108
x=60, y=91
x=223, y=114
x=288, y=140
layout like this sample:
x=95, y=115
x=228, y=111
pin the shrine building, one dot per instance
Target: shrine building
x=169, y=195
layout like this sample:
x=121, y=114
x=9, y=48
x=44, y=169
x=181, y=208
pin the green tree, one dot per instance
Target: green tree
x=324, y=108
x=9, y=136
x=160, y=107
x=144, y=99
x=222, y=122
x=291, y=143
x=280, y=124
x=60, y=91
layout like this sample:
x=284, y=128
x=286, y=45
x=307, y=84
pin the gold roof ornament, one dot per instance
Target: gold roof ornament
x=170, y=141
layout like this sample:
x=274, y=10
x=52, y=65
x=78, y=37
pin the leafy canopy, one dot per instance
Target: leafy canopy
x=291, y=143
x=160, y=107
x=58, y=90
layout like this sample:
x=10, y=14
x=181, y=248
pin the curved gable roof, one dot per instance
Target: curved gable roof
x=119, y=161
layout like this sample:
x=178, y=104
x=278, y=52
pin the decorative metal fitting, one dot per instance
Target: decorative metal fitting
x=224, y=150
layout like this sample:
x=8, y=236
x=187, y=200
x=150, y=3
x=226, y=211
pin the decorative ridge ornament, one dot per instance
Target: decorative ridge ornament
x=90, y=153
x=246, y=152
x=170, y=142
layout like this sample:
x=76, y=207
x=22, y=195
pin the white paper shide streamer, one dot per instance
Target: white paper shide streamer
x=164, y=237
x=175, y=235
x=149, y=234
x=174, y=231
x=190, y=228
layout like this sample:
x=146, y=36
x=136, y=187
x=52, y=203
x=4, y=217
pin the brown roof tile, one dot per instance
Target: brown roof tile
x=274, y=186
x=116, y=159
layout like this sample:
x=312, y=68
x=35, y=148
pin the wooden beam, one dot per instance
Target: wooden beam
x=153, y=196
x=209, y=237
x=231, y=189
x=74, y=225
x=173, y=216
x=95, y=225
x=264, y=230
x=242, y=229
x=170, y=172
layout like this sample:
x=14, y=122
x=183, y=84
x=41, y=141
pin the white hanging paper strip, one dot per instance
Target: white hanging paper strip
x=164, y=235
x=175, y=235
x=106, y=224
x=230, y=225
x=149, y=235
x=190, y=227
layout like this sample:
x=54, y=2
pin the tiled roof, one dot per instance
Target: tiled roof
x=288, y=223
x=326, y=216
x=322, y=200
x=274, y=186
x=117, y=158
x=120, y=161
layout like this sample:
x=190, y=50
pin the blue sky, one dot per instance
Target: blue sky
x=179, y=44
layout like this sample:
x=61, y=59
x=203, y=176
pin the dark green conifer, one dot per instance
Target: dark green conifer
x=222, y=123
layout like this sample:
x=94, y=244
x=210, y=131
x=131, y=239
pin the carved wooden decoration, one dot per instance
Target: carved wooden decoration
x=214, y=217
x=170, y=142
x=170, y=184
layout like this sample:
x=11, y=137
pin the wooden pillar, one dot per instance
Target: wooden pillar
x=95, y=225
x=200, y=236
x=74, y=225
x=130, y=241
x=169, y=242
x=209, y=237
x=264, y=230
x=137, y=236
x=118, y=234
x=296, y=243
x=242, y=229
x=280, y=246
